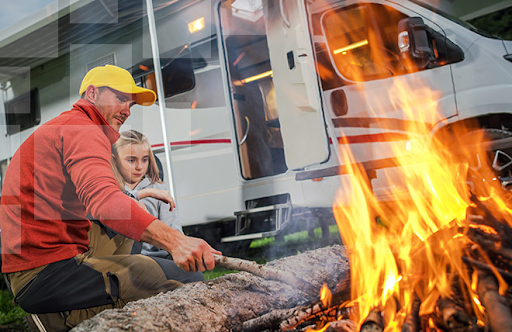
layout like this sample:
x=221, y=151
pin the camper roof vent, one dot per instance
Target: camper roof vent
x=109, y=59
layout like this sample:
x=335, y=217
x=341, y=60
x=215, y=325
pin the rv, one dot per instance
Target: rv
x=256, y=96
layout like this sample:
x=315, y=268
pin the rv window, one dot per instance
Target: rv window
x=207, y=90
x=22, y=112
x=362, y=41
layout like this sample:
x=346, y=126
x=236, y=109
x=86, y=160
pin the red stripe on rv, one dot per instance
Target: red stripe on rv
x=194, y=142
x=372, y=138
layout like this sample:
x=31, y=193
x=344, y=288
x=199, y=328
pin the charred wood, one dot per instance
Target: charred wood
x=344, y=325
x=374, y=322
x=412, y=321
x=490, y=243
x=488, y=268
x=489, y=219
x=316, y=311
x=498, y=311
x=454, y=317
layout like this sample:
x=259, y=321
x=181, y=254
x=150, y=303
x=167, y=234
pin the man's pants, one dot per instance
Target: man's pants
x=104, y=277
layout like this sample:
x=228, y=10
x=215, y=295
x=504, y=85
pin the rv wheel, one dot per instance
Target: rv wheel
x=501, y=159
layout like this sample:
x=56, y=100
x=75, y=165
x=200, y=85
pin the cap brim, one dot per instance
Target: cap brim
x=144, y=97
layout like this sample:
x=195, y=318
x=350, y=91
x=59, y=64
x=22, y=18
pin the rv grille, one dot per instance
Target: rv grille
x=109, y=59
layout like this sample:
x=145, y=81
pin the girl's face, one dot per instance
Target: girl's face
x=133, y=161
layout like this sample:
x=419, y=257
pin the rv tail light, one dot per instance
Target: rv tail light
x=508, y=57
x=404, y=41
x=196, y=25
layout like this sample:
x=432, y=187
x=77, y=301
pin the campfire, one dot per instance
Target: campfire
x=439, y=260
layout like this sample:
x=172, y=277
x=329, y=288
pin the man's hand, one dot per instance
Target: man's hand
x=189, y=253
x=163, y=195
x=194, y=254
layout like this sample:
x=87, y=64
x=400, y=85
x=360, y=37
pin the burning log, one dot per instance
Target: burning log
x=412, y=321
x=344, y=325
x=316, y=311
x=225, y=303
x=498, y=311
x=290, y=318
x=374, y=322
x=454, y=318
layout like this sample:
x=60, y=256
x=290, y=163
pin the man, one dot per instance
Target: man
x=59, y=175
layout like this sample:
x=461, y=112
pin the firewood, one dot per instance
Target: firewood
x=490, y=243
x=490, y=269
x=316, y=311
x=300, y=315
x=374, y=322
x=498, y=312
x=454, y=317
x=268, y=321
x=412, y=321
x=344, y=325
x=501, y=227
x=267, y=273
x=225, y=303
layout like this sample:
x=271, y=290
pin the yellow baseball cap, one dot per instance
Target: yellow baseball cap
x=118, y=79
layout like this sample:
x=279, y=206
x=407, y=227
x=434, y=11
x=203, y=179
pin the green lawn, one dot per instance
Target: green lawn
x=10, y=314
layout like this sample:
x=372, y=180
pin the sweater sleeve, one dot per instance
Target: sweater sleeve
x=86, y=156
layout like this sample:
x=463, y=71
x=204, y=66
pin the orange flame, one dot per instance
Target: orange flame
x=403, y=248
x=325, y=296
x=395, y=245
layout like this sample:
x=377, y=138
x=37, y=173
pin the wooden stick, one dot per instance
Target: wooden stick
x=454, y=317
x=488, y=219
x=484, y=267
x=374, y=322
x=499, y=313
x=268, y=321
x=490, y=243
x=300, y=315
x=412, y=321
x=344, y=325
x=264, y=272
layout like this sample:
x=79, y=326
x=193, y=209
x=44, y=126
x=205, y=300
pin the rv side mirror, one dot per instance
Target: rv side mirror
x=414, y=43
x=177, y=69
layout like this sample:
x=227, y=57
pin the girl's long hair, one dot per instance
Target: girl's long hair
x=133, y=137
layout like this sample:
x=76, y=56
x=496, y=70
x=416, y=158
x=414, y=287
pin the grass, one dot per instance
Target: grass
x=10, y=314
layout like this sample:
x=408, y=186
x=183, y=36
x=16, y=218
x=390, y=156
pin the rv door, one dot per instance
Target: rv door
x=296, y=83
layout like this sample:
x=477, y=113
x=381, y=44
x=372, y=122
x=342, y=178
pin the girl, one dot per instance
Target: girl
x=134, y=166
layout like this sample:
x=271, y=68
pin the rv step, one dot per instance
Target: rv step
x=278, y=213
x=252, y=236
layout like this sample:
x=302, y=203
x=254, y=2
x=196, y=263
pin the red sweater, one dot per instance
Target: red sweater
x=57, y=176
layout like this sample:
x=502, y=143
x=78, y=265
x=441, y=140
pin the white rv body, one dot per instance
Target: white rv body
x=232, y=139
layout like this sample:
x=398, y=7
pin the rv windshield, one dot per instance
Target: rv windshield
x=455, y=19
